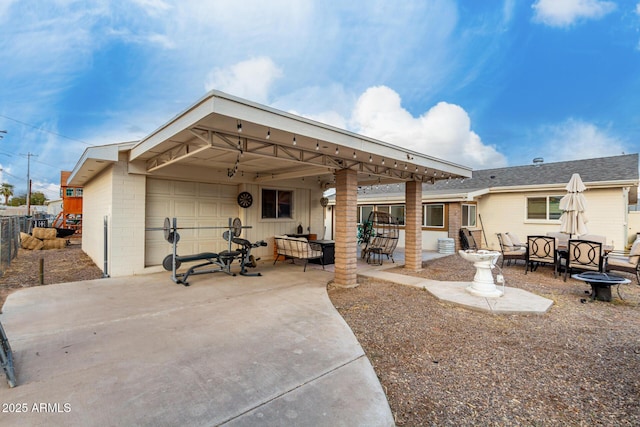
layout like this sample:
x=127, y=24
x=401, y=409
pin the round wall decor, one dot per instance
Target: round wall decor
x=245, y=199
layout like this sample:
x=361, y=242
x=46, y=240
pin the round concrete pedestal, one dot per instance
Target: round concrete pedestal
x=483, y=284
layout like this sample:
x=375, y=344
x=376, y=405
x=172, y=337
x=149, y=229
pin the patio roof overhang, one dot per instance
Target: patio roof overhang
x=221, y=132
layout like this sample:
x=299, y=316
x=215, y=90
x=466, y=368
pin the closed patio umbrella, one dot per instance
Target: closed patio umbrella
x=573, y=206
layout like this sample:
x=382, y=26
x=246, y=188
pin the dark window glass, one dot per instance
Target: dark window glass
x=276, y=203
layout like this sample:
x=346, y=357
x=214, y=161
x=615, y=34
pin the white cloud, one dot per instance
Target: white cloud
x=249, y=79
x=563, y=13
x=576, y=139
x=443, y=132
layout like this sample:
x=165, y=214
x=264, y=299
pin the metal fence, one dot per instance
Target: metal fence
x=10, y=228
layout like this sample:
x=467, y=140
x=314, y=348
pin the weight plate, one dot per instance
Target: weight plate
x=172, y=235
x=167, y=228
x=237, y=227
x=167, y=263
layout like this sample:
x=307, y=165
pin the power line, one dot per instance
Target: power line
x=44, y=130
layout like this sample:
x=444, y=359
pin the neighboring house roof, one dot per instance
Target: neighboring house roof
x=617, y=171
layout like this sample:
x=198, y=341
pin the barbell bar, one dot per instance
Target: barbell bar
x=170, y=228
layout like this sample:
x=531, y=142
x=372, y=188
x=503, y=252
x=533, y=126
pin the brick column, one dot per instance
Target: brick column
x=455, y=223
x=413, y=226
x=346, y=231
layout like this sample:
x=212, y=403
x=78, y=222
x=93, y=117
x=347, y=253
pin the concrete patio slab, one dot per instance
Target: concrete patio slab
x=514, y=300
x=142, y=350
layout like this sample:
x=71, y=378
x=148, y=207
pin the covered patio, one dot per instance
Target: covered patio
x=225, y=139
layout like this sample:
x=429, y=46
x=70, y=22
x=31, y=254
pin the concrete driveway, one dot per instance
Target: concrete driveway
x=142, y=350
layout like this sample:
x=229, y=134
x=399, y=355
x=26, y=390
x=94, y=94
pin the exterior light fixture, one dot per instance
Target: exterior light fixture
x=354, y=155
x=239, y=126
x=317, y=146
x=337, y=150
x=268, y=133
x=383, y=161
x=370, y=158
x=294, y=140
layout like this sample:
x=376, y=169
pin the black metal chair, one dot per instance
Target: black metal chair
x=510, y=253
x=467, y=241
x=629, y=262
x=583, y=255
x=541, y=250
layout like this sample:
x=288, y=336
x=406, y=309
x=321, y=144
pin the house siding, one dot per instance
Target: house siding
x=606, y=210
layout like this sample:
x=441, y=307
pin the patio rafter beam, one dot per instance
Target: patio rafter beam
x=289, y=175
x=182, y=151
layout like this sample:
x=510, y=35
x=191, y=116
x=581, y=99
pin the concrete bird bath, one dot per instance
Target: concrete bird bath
x=483, y=284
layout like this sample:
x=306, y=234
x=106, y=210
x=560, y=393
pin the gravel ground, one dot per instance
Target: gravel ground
x=60, y=265
x=440, y=364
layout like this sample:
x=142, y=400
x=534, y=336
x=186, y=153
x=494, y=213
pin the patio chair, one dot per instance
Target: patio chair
x=562, y=239
x=625, y=261
x=509, y=251
x=541, y=250
x=467, y=241
x=583, y=255
x=382, y=236
x=517, y=243
x=594, y=238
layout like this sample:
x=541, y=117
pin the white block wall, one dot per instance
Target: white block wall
x=121, y=197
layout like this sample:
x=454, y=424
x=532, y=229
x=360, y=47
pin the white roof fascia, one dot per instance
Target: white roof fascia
x=102, y=155
x=555, y=187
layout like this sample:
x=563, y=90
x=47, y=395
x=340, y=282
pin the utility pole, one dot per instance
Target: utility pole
x=29, y=155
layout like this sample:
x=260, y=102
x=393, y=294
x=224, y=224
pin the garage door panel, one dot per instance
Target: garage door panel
x=156, y=206
x=159, y=187
x=185, y=209
x=185, y=188
x=207, y=209
x=209, y=190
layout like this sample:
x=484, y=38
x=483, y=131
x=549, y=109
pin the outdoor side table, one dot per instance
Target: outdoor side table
x=601, y=283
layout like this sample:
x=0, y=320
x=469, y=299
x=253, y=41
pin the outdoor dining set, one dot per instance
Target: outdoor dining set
x=583, y=254
x=572, y=248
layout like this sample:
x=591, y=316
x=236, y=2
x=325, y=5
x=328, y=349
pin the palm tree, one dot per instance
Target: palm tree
x=6, y=190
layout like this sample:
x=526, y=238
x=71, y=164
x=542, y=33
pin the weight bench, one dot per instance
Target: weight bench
x=222, y=263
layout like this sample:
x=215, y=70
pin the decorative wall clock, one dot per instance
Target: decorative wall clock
x=245, y=199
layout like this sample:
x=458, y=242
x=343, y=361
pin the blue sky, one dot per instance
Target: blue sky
x=481, y=83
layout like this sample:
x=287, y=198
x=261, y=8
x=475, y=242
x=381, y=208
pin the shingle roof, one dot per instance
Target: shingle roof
x=618, y=168
x=602, y=169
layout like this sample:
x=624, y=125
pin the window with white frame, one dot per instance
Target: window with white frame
x=277, y=204
x=363, y=213
x=397, y=212
x=543, y=208
x=433, y=215
x=468, y=215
